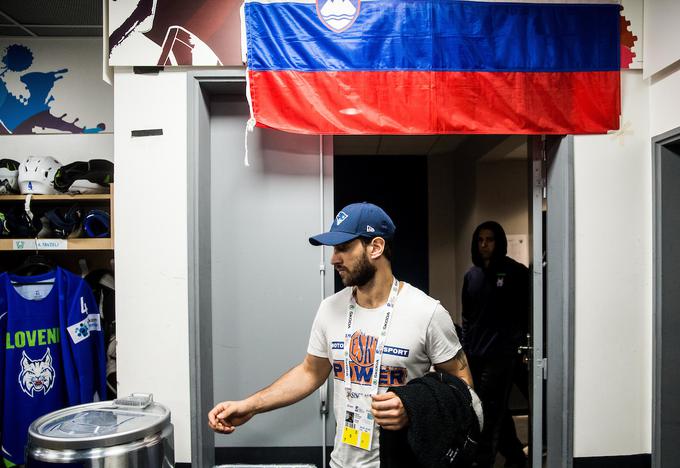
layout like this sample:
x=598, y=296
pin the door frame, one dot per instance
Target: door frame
x=559, y=185
x=659, y=143
x=537, y=192
x=560, y=300
x=551, y=165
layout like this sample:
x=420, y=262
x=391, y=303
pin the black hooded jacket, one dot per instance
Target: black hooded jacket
x=495, y=300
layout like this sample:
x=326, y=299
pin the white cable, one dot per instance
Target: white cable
x=27, y=206
x=323, y=440
x=323, y=392
x=322, y=221
x=250, y=124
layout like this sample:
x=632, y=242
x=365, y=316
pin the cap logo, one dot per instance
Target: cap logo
x=340, y=218
x=370, y=229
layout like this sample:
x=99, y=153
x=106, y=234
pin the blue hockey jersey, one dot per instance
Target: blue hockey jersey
x=52, y=353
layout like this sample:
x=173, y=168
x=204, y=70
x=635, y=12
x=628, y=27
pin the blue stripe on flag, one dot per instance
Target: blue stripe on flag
x=440, y=35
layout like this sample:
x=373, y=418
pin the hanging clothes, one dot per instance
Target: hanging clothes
x=53, y=353
x=102, y=283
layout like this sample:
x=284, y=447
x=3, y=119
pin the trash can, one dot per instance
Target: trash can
x=131, y=432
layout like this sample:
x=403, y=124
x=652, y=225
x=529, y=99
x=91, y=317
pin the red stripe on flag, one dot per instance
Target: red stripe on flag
x=399, y=102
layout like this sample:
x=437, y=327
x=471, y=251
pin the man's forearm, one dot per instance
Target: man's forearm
x=290, y=388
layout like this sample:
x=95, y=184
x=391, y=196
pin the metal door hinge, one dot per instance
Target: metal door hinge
x=543, y=364
x=544, y=166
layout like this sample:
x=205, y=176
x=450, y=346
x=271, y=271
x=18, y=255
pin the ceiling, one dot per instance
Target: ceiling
x=362, y=145
x=486, y=148
x=51, y=18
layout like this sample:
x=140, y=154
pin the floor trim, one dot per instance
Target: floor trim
x=270, y=455
x=643, y=460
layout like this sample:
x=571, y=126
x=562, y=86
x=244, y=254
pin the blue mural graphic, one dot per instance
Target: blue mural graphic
x=20, y=114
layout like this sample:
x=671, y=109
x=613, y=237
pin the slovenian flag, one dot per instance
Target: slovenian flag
x=434, y=66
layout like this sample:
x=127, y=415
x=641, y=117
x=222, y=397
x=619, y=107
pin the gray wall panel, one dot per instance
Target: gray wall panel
x=670, y=306
x=265, y=274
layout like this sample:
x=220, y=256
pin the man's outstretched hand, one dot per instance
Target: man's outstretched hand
x=225, y=416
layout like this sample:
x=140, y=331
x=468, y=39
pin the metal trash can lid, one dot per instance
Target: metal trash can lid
x=101, y=424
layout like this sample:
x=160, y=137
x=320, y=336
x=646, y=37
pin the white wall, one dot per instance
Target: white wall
x=661, y=38
x=65, y=148
x=613, y=381
x=613, y=307
x=503, y=194
x=664, y=101
x=151, y=244
x=661, y=35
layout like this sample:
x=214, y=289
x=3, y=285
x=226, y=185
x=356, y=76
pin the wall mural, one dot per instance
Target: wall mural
x=46, y=87
x=174, y=32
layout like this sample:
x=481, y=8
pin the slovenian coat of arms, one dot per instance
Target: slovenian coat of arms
x=338, y=15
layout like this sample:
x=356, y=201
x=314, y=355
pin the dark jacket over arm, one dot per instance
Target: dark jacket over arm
x=442, y=430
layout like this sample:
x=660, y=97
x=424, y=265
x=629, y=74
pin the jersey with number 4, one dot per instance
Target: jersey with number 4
x=52, y=353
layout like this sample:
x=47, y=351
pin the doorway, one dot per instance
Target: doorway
x=438, y=189
x=666, y=380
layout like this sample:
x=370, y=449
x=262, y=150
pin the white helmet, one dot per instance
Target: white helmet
x=8, y=176
x=36, y=175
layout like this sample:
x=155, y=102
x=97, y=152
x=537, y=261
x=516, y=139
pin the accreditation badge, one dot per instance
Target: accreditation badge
x=359, y=424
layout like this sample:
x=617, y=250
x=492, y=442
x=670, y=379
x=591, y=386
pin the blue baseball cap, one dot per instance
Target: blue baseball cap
x=356, y=220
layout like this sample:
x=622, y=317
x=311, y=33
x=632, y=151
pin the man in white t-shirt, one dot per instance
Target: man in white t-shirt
x=385, y=331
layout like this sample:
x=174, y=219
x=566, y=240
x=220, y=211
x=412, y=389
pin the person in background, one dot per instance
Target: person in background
x=495, y=301
x=376, y=333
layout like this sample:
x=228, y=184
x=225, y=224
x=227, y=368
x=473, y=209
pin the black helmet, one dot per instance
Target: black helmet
x=9, y=174
x=66, y=222
x=16, y=223
x=93, y=176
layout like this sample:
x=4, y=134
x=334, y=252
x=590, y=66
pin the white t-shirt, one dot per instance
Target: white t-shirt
x=420, y=335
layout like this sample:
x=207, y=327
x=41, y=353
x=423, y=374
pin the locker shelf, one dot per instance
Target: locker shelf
x=29, y=245
x=60, y=197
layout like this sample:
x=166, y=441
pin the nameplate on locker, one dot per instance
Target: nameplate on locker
x=40, y=244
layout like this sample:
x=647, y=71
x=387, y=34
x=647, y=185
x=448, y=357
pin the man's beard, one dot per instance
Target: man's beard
x=361, y=274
